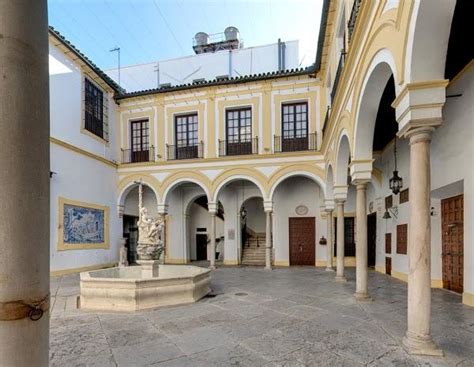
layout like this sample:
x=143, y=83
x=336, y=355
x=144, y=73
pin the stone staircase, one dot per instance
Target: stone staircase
x=253, y=252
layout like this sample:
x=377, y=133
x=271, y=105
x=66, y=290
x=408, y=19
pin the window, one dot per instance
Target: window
x=388, y=243
x=186, y=135
x=94, y=110
x=349, y=238
x=294, y=127
x=404, y=196
x=388, y=202
x=140, y=141
x=239, y=131
x=402, y=238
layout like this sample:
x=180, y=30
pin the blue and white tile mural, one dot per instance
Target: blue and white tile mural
x=83, y=225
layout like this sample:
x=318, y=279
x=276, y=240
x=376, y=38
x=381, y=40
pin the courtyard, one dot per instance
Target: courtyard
x=295, y=316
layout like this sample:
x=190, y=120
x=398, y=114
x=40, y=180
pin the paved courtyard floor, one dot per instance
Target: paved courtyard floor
x=287, y=317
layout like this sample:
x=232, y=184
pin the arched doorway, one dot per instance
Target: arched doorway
x=239, y=199
x=131, y=213
x=252, y=229
x=198, y=227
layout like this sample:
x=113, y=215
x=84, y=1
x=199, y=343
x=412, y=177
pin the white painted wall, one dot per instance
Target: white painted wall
x=288, y=195
x=78, y=177
x=452, y=153
x=66, y=95
x=183, y=70
x=256, y=220
x=83, y=179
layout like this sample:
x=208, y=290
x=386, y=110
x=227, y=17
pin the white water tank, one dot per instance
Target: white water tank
x=231, y=34
x=201, y=38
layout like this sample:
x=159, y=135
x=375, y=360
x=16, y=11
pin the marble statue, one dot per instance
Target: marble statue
x=150, y=233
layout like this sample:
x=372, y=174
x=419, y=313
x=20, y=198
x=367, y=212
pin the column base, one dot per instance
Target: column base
x=212, y=267
x=421, y=346
x=340, y=278
x=268, y=268
x=330, y=269
x=362, y=297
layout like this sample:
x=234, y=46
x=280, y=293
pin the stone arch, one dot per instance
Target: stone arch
x=329, y=182
x=238, y=174
x=343, y=154
x=184, y=177
x=129, y=182
x=427, y=46
x=310, y=172
x=381, y=68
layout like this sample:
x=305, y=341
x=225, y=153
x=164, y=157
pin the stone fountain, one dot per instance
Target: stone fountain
x=148, y=285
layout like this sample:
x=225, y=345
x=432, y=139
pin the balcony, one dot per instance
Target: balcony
x=134, y=156
x=297, y=144
x=353, y=18
x=229, y=148
x=338, y=75
x=175, y=152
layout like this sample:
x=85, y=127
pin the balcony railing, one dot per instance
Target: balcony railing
x=338, y=75
x=136, y=156
x=353, y=18
x=227, y=147
x=297, y=144
x=184, y=152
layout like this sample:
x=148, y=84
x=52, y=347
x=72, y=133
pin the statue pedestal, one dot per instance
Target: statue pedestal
x=149, y=268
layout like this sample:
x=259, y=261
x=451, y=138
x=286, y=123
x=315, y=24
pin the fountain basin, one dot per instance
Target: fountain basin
x=128, y=289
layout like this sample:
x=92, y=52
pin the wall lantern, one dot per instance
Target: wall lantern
x=323, y=241
x=396, y=182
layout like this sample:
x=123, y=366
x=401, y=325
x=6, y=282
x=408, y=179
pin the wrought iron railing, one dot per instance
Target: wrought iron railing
x=228, y=147
x=338, y=75
x=353, y=17
x=297, y=144
x=136, y=156
x=174, y=152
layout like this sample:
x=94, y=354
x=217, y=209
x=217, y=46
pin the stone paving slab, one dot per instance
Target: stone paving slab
x=287, y=317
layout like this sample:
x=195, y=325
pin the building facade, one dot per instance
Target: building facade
x=294, y=167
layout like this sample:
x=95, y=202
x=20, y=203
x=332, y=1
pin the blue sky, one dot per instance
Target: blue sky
x=150, y=30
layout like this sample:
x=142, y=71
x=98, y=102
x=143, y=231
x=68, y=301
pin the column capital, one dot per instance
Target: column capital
x=420, y=101
x=360, y=183
x=328, y=205
x=162, y=209
x=340, y=193
x=268, y=206
x=361, y=169
x=212, y=207
x=421, y=129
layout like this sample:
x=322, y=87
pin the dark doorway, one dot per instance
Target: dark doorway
x=388, y=265
x=201, y=246
x=302, y=241
x=452, y=217
x=371, y=238
x=130, y=232
x=349, y=237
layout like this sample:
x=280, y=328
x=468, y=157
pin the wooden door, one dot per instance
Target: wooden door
x=452, y=217
x=388, y=265
x=201, y=247
x=302, y=239
x=371, y=238
x=140, y=141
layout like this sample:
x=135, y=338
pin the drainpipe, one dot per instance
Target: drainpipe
x=230, y=63
x=279, y=54
x=283, y=52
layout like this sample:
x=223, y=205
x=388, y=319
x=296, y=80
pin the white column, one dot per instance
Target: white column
x=24, y=184
x=163, y=212
x=340, y=241
x=418, y=336
x=268, y=207
x=361, y=293
x=212, y=233
x=329, y=248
